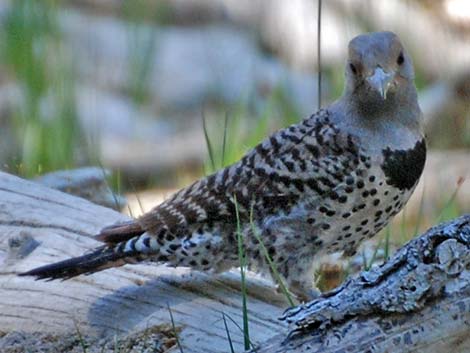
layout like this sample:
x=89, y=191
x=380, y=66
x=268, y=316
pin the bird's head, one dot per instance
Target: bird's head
x=378, y=67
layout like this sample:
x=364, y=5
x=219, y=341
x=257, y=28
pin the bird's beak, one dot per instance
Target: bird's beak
x=380, y=81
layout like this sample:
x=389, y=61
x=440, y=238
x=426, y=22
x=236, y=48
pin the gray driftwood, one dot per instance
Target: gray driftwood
x=39, y=225
x=418, y=301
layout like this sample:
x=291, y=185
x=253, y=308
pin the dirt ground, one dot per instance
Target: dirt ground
x=155, y=339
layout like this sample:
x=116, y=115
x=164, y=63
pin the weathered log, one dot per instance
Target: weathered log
x=418, y=301
x=39, y=225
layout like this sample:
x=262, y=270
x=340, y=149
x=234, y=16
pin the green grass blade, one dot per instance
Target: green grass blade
x=174, y=329
x=232, y=350
x=239, y=327
x=242, y=259
x=388, y=234
x=420, y=214
x=364, y=261
x=208, y=142
x=404, y=234
x=451, y=200
x=374, y=256
x=139, y=201
x=118, y=184
x=276, y=275
x=80, y=337
x=224, y=141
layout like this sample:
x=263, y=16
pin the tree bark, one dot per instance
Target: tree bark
x=418, y=301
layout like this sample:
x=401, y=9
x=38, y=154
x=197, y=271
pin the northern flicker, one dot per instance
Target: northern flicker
x=320, y=186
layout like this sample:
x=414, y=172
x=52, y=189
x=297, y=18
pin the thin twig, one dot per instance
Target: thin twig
x=319, y=52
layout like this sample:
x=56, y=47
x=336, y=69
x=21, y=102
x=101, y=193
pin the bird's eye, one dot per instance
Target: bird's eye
x=353, y=68
x=400, y=58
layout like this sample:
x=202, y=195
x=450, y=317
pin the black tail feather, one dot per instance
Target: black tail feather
x=98, y=260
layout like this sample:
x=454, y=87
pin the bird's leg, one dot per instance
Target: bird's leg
x=304, y=291
x=299, y=279
x=292, y=255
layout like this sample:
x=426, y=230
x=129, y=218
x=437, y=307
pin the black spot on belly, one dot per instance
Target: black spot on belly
x=403, y=168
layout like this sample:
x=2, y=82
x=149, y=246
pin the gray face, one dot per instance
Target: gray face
x=378, y=66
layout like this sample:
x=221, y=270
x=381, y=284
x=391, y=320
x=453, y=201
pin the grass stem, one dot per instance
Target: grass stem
x=174, y=328
x=208, y=142
x=242, y=259
x=275, y=273
x=232, y=350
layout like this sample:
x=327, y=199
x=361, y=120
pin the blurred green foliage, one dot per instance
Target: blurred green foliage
x=141, y=40
x=229, y=139
x=31, y=49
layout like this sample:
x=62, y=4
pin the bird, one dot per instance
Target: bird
x=317, y=187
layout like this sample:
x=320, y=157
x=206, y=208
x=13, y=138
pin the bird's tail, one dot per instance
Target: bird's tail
x=100, y=259
x=119, y=250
